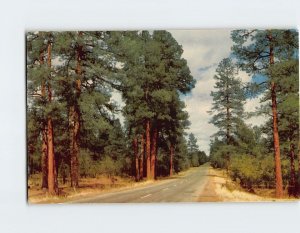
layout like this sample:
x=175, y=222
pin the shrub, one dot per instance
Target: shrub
x=195, y=160
x=253, y=171
x=109, y=167
x=93, y=168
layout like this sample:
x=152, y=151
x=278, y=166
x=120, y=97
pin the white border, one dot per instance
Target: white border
x=18, y=16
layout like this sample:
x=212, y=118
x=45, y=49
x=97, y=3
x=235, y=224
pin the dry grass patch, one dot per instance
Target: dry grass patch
x=87, y=186
x=230, y=191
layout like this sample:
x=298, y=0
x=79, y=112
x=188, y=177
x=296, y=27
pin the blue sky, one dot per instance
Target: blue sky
x=203, y=50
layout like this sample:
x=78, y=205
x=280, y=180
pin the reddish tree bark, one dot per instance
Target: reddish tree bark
x=153, y=152
x=292, y=183
x=44, y=159
x=52, y=176
x=278, y=173
x=44, y=149
x=171, y=159
x=136, y=156
x=227, y=129
x=148, y=150
x=142, y=146
x=298, y=181
x=298, y=184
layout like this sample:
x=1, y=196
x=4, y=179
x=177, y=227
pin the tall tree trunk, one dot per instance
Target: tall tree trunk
x=171, y=159
x=279, y=188
x=148, y=150
x=227, y=118
x=292, y=183
x=156, y=154
x=142, y=146
x=75, y=124
x=74, y=147
x=136, y=156
x=44, y=151
x=44, y=159
x=278, y=173
x=227, y=129
x=298, y=183
x=52, y=175
x=153, y=151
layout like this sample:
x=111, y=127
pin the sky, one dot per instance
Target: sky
x=203, y=50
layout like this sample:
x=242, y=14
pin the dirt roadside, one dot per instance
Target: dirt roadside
x=220, y=188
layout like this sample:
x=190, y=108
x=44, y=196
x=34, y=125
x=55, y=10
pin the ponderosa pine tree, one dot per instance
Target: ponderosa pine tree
x=36, y=58
x=192, y=144
x=257, y=51
x=40, y=78
x=154, y=70
x=172, y=76
x=74, y=84
x=193, y=150
x=175, y=127
x=228, y=100
x=286, y=76
x=86, y=70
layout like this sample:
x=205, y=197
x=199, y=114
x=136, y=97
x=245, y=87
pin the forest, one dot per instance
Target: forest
x=73, y=123
x=110, y=103
x=267, y=156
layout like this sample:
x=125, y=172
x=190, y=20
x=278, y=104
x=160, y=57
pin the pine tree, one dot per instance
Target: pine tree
x=36, y=54
x=154, y=70
x=228, y=100
x=87, y=78
x=257, y=51
x=192, y=143
x=286, y=76
x=40, y=75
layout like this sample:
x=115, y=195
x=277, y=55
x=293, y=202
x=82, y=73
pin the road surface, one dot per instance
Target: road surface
x=185, y=188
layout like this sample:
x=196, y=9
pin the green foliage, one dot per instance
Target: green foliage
x=202, y=157
x=147, y=68
x=194, y=160
x=192, y=143
x=257, y=172
x=181, y=159
x=286, y=75
x=228, y=101
x=93, y=168
x=249, y=158
x=246, y=169
x=251, y=47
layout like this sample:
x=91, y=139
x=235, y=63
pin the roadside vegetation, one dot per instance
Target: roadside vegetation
x=74, y=132
x=265, y=157
x=104, y=110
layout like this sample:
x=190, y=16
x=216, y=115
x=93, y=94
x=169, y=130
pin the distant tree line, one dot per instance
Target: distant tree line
x=263, y=156
x=73, y=129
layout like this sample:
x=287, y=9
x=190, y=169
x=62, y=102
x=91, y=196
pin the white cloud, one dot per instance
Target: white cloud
x=116, y=97
x=203, y=50
x=251, y=106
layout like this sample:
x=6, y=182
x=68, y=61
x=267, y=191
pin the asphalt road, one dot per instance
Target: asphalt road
x=185, y=188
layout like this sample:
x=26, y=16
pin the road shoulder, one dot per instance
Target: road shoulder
x=220, y=188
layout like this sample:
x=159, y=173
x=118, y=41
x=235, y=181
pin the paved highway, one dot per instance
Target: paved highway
x=185, y=188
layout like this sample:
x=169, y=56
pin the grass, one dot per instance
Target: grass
x=228, y=190
x=87, y=186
